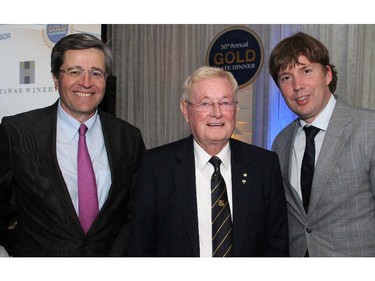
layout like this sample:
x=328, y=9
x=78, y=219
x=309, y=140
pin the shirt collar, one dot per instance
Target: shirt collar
x=71, y=125
x=202, y=157
x=322, y=120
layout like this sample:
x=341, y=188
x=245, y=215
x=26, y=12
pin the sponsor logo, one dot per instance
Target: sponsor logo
x=52, y=33
x=27, y=72
x=239, y=51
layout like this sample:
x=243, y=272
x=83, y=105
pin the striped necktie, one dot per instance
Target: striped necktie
x=220, y=212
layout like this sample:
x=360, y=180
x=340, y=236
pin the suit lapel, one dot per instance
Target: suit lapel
x=242, y=170
x=285, y=156
x=46, y=146
x=111, y=144
x=116, y=161
x=184, y=174
x=334, y=142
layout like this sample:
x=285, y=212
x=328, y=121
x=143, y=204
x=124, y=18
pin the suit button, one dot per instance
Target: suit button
x=308, y=230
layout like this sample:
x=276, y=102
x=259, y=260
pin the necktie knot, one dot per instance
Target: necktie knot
x=215, y=161
x=82, y=130
x=310, y=132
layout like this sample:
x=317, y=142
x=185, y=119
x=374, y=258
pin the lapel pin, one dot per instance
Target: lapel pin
x=244, y=175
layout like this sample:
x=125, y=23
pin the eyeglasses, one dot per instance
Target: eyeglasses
x=78, y=73
x=207, y=106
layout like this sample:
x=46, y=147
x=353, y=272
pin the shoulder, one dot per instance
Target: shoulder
x=360, y=116
x=288, y=129
x=344, y=108
x=249, y=150
x=117, y=123
x=173, y=147
x=32, y=117
x=363, y=123
x=363, y=114
x=171, y=154
x=285, y=134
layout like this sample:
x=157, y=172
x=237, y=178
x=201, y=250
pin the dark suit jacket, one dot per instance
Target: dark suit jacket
x=48, y=225
x=165, y=216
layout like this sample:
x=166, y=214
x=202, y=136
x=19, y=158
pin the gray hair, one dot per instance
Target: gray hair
x=203, y=73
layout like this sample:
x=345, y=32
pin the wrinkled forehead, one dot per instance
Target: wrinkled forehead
x=213, y=88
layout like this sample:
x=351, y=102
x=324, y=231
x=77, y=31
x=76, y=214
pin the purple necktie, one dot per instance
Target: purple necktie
x=87, y=193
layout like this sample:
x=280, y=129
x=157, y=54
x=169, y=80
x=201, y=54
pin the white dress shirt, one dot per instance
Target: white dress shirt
x=67, y=147
x=321, y=122
x=3, y=252
x=203, y=173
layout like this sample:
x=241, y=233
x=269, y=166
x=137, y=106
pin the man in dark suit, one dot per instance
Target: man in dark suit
x=38, y=152
x=172, y=215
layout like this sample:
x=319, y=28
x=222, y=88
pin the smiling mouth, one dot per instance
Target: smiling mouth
x=302, y=101
x=81, y=94
x=215, y=124
x=301, y=98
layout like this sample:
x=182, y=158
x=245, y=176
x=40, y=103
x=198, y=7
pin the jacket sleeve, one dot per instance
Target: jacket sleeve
x=143, y=227
x=277, y=218
x=7, y=208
